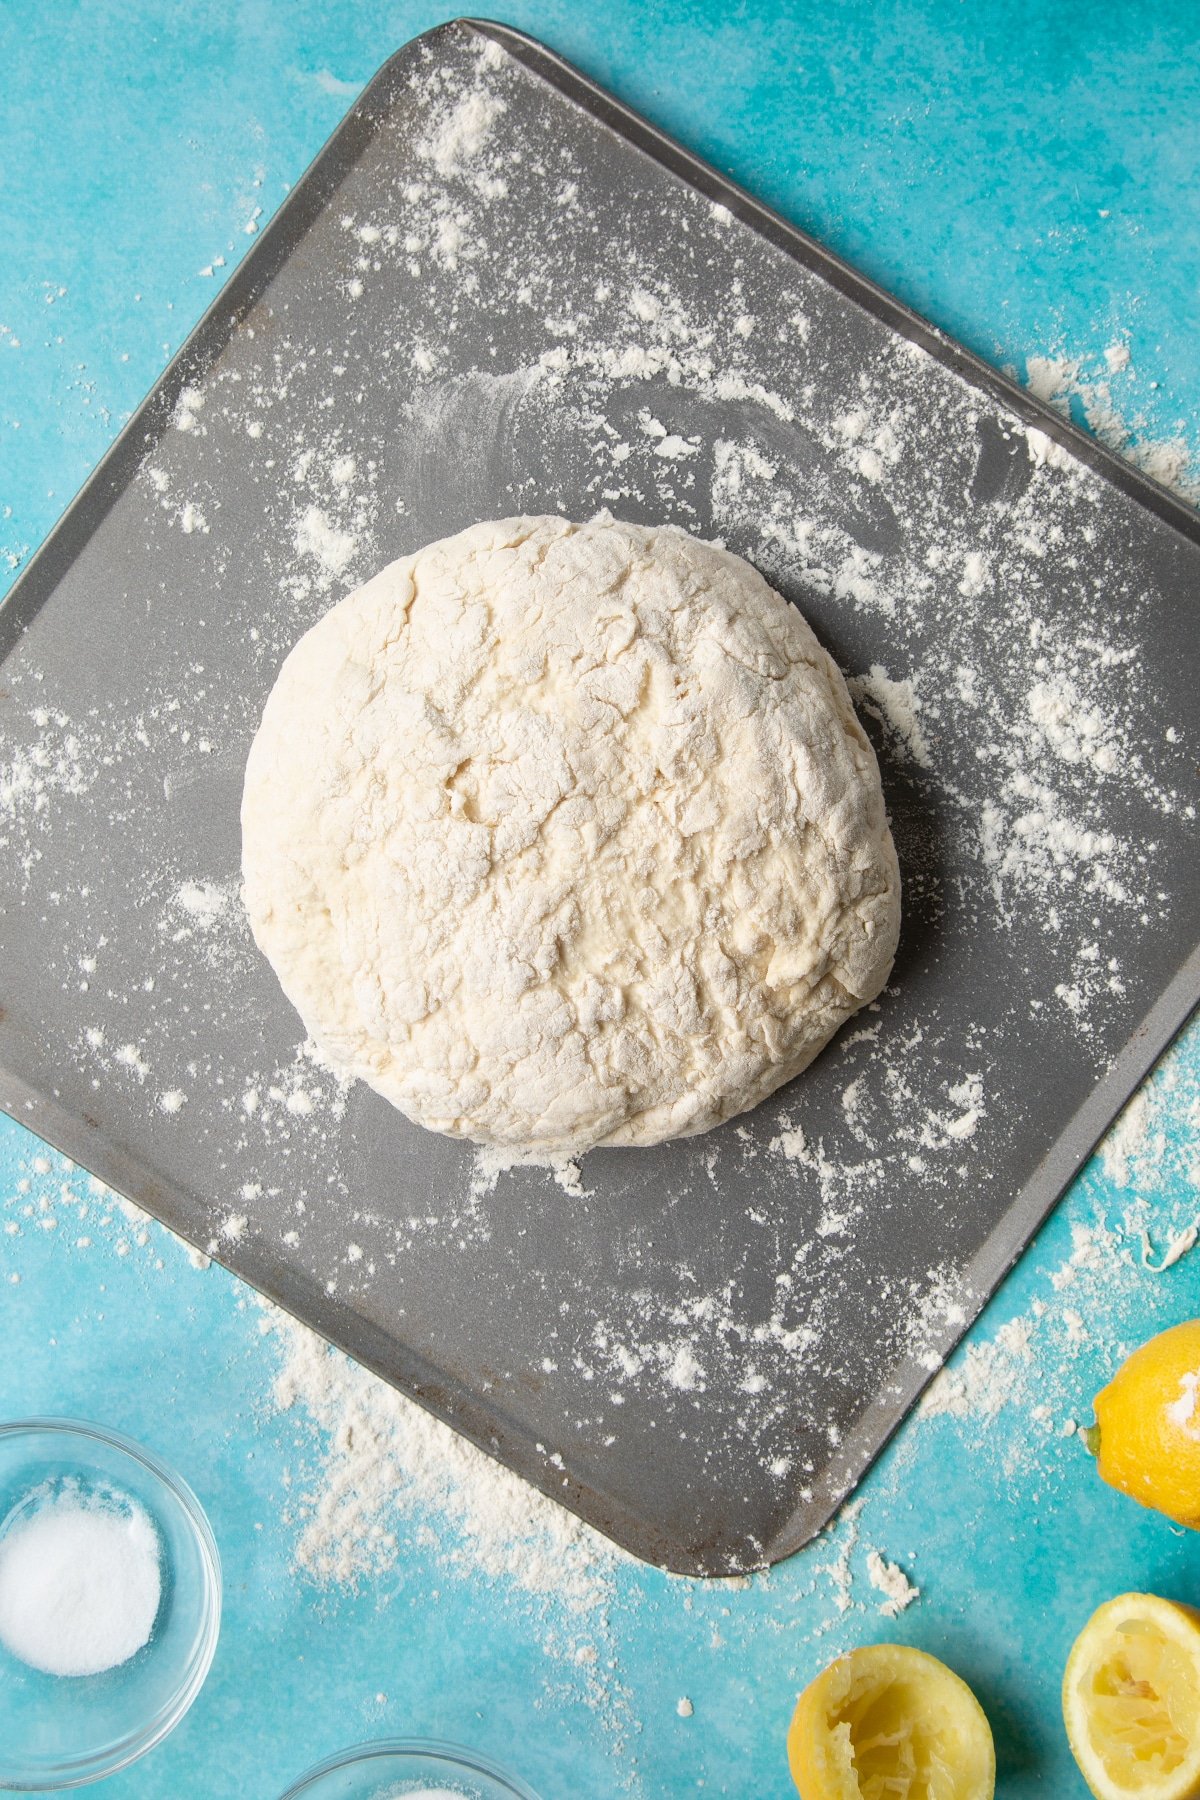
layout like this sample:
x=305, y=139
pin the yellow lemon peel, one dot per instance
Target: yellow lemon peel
x=887, y=1722
x=1131, y=1700
x=1146, y=1439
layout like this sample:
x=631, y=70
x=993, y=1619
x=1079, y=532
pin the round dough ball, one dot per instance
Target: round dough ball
x=561, y=835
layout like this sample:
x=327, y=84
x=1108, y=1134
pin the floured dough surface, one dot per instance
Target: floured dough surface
x=567, y=834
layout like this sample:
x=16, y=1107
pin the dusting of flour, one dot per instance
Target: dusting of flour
x=382, y=1461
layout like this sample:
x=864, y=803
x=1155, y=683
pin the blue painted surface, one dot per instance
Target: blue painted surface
x=1024, y=175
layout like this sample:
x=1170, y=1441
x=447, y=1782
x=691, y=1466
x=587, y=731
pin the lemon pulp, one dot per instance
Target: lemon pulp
x=1133, y=1700
x=895, y=1752
x=888, y=1722
x=1137, y=1691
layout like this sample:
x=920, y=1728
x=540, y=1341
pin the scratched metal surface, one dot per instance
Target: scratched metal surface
x=141, y=643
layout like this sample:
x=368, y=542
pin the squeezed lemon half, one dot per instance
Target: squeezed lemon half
x=1131, y=1700
x=887, y=1722
x=1146, y=1438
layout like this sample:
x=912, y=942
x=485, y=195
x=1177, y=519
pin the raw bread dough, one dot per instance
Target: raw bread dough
x=567, y=834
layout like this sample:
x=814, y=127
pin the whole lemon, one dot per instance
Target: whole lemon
x=1146, y=1439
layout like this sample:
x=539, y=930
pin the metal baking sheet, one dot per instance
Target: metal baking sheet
x=496, y=290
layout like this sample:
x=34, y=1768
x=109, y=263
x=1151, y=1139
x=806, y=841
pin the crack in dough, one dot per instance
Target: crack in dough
x=560, y=835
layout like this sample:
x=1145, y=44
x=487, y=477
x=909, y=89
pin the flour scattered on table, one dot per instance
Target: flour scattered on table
x=1081, y=386
x=377, y=1473
x=1030, y=1368
x=889, y=1579
x=383, y=1466
x=844, y=1530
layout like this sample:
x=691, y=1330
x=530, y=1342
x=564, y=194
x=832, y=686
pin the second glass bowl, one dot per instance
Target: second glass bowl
x=408, y=1767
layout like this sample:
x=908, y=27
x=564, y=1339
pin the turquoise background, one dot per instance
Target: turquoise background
x=1025, y=174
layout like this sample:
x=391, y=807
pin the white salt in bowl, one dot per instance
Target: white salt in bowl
x=409, y=1769
x=59, y=1731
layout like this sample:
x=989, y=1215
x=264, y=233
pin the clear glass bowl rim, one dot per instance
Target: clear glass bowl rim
x=74, y=1771
x=455, y=1756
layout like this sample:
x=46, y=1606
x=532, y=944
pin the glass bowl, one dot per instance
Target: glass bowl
x=409, y=1766
x=58, y=1731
